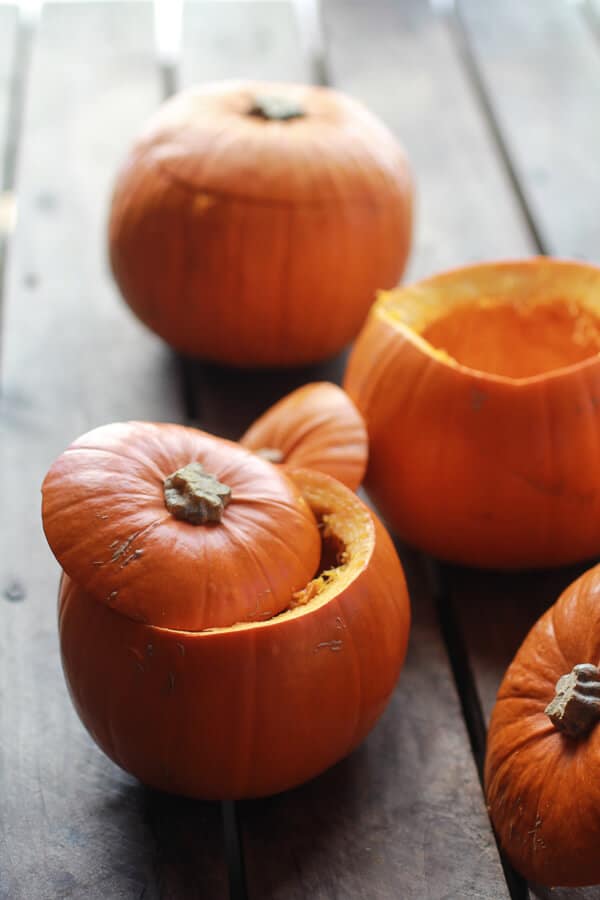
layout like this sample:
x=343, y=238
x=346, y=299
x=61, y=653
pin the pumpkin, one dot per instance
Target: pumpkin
x=480, y=388
x=228, y=628
x=318, y=427
x=542, y=768
x=245, y=206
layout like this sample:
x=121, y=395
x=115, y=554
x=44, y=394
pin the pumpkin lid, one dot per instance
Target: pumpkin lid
x=273, y=142
x=177, y=528
x=315, y=427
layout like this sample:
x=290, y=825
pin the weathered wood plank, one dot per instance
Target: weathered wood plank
x=404, y=815
x=8, y=36
x=8, y=40
x=240, y=40
x=71, y=824
x=540, y=65
x=400, y=59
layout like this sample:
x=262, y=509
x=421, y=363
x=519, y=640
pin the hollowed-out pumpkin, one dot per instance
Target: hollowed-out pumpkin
x=481, y=392
x=542, y=769
x=228, y=628
x=252, y=222
x=314, y=427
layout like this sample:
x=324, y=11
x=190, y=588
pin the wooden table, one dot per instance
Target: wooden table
x=497, y=104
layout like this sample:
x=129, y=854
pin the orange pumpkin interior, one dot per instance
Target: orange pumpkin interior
x=516, y=339
x=347, y=541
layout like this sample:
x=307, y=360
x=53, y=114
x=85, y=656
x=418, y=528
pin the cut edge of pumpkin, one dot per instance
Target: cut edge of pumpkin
x=348, y=541
x=525, y=285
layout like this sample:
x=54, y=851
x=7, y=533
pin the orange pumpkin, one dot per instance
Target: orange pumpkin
x=223, y=635
x=542, y=769
x=481, y=393
x=246, y=206
x=314, y=427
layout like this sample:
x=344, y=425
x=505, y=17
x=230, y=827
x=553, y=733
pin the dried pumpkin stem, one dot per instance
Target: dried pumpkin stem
x=276, y=108
x=575, y=708
x=195, y=496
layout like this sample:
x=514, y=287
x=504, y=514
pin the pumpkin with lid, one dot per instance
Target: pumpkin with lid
x=228, y=628
x=542, y=768
x=252, y=222
x=480, y=389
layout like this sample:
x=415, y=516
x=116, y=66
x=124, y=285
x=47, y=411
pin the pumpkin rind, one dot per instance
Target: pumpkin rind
x=542, y=787
x=228, y=230
x=315, y=427
x=253, y=709
x=473, y=467
x=106, y=520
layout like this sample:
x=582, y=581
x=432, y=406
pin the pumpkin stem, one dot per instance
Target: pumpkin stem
x=271, y=454
x=276, y=108
x=575, y=708
x=195, y=495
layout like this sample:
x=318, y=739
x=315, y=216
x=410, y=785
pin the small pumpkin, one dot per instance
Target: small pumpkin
x=318, y=427
x=480, y=389
x=228, y=628
x=542, y=768
x=245, y=206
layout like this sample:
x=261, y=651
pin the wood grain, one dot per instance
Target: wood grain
x=71, y=824
x=540, y=65
x=401, y=60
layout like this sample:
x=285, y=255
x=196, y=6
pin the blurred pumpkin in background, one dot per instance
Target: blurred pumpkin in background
x=480, y=388
x=252, y=223
x=228, y=628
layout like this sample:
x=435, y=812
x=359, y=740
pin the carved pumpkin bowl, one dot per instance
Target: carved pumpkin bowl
x=228, y=627
x=480, y=389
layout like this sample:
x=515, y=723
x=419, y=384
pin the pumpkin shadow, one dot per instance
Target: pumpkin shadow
x=225, y=400
x=301, y=832
x=189, y=857
x=493, y=611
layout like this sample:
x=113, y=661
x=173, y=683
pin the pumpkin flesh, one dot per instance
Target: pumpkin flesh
x=515, y=340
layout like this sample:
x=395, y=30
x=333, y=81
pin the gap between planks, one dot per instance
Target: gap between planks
x=461, y=39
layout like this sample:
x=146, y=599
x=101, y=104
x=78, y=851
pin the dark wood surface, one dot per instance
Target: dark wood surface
x=72, y=824
x=497, y=107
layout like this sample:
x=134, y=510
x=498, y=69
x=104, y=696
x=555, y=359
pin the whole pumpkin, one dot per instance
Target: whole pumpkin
x=226, y=630
x=542, y=769
x=245, y=207
x=480, y=389
x=318, y=427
